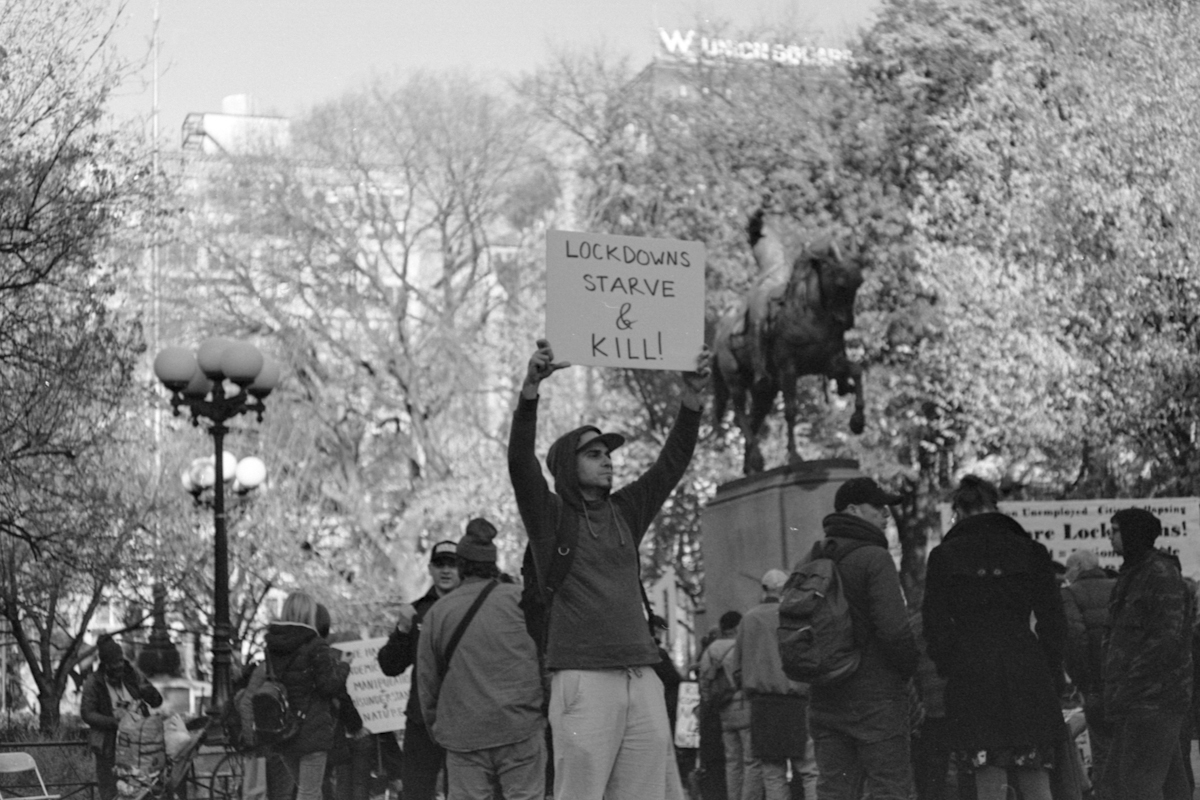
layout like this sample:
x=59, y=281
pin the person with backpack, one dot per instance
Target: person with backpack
x=778, y=705
x=113, y=689
x=479, y=684
x=607, y=713
x=290, y=699
x=859, y=719
x=1085, y=602
x=423, y=758
x=719, y=695
x=1004, y=676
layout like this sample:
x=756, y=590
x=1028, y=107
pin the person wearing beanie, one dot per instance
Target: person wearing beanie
x=1004, y=676
x=1147, y=666
x=422, y=759
x=777, y=736
x=731, y=731
x=111, y=691
x=860, y=725
x=611, y=737
x=483, y=701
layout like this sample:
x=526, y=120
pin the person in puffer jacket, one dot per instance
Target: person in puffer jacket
x=301, y=660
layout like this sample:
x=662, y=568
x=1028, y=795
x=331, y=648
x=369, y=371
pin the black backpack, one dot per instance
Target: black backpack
x=276, y=720
x=817, y=639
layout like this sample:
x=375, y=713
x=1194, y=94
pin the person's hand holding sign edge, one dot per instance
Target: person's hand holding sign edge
x=542, y=365
x=695, y=381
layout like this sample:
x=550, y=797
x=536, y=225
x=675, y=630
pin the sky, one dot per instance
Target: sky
x=292, y=54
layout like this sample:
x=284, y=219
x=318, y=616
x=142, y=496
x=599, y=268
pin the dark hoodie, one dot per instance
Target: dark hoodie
x=597, y=620
x=302, y=662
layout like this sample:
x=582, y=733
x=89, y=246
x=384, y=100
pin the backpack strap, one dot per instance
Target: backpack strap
x=444, y=661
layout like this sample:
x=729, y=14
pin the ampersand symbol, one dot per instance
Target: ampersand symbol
x=622, y=323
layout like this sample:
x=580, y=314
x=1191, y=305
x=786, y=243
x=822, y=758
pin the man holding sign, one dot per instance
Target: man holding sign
x=609, y=720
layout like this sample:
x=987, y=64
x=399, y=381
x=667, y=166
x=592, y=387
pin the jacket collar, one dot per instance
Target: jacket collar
x=848, y=526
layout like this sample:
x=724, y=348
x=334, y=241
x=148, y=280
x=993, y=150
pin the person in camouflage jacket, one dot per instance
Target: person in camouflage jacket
x=1147, y=666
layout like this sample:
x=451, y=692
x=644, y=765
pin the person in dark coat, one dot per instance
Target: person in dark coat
x=1147, y=666
x=423, y=757
x=108, y=693
x=301, y=660
x=1003, y=677
x=861, y=725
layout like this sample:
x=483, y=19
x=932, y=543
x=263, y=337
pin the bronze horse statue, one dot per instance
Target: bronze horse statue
x=788, y=325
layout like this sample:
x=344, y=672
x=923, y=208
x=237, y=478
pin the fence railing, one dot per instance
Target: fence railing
x=66, y=767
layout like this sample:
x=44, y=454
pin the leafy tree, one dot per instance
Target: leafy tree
x=72, y=192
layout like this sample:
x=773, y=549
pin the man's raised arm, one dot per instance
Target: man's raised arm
x=529, y=485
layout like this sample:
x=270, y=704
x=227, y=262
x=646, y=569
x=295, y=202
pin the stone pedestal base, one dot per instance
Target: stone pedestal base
x=764, y=521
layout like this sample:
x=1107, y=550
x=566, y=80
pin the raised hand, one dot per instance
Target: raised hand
x=695, y=381
x=541, y=366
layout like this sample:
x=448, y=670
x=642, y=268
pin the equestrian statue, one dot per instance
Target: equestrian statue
x=790, y=323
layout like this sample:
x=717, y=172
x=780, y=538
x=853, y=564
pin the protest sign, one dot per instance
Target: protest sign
x=380, y=700
x=1065, y=526
x=624, y=301
x=687, y=719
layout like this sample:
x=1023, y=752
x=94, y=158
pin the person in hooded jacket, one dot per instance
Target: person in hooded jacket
x=112, y=690
x=301, y=660
x=860, y=725
x=1147, y=666
x=611, y=737
x=1003, y=677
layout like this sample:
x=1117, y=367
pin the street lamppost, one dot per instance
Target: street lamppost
x=197, y=381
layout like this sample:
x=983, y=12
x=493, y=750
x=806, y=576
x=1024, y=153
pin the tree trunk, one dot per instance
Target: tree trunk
x=49, y=716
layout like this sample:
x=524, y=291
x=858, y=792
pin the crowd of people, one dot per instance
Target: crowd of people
x=561, y=689
x=969, y=690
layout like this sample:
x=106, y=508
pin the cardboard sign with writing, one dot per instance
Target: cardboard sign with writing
x=624, y=301
x=687, y=719
x=1065, y=526
x=380, y=700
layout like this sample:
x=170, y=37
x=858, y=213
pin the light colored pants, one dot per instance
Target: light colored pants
x=304, y=775
x=612, y=740
x=520, y=768
x=743, y=772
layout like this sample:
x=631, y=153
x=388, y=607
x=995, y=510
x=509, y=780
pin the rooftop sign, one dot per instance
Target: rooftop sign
x=692, y=46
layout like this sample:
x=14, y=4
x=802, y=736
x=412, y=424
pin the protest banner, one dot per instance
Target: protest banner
x=624, y=301
x=380, y=700
x=687, y=715
x=1065, y=526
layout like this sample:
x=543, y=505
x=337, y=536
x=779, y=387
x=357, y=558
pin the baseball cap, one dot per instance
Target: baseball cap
x=862, y=491
x=590, y=434
x=443, y=551
x=774, y=580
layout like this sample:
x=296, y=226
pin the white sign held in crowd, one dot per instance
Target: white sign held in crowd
x=687, y=719
x=380, y=700
x=1065, y=526
x=624, y=301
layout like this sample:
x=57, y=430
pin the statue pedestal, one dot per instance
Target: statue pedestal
x=764, y=521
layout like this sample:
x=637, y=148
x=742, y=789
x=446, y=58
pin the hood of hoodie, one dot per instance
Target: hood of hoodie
x=563, y=466
x=285, y=638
